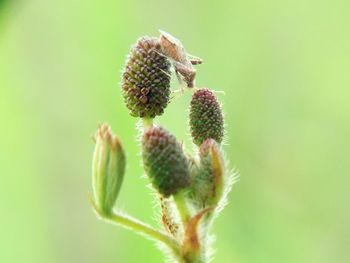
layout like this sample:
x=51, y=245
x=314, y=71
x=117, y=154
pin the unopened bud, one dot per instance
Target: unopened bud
x=146, y=79
x=108, y=168
x=206, y=119
x=164, y=161
x=208, y=182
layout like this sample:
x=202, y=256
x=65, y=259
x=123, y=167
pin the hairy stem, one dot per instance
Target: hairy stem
x=182, y=207
x=140, y=228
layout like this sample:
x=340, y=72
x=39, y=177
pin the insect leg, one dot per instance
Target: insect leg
x=194, y=60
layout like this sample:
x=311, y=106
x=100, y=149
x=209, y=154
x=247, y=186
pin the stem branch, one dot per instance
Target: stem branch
x=142, y=228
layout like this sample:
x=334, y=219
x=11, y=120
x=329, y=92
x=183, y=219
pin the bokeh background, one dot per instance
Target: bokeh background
x=284, y=66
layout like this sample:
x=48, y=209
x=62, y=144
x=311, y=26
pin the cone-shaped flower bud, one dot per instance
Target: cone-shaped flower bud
x=208, y=182
x=206, y=119
x=108, y=168
x=146, y=79
x=164, y=161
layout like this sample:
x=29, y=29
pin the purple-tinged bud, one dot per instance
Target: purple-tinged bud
x=206, y=119
x=146, y=79
x=164, y=161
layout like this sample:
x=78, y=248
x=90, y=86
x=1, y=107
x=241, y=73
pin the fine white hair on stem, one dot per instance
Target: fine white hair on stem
x=184, y=216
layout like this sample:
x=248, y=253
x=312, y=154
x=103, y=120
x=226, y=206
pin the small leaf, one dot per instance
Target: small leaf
x=192, y=245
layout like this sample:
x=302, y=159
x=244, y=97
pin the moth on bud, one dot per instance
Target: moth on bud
x=208, y=182
x=146, y=79
x=164, y=161
x=206, y=118
x=108, y=168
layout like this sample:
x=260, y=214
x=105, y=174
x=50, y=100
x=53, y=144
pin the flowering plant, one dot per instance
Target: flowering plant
x=191, y=190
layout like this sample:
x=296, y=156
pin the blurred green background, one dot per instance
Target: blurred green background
x=284, y=66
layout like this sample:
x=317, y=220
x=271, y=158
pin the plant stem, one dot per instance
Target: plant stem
x=140, y=228
x=182, y=207
x=147, y=122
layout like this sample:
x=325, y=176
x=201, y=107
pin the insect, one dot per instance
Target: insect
x=183, y=62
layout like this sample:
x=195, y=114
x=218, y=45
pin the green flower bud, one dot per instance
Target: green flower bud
x=208, y=182
x=206, y=119
x=108, y=168
x=164, y=161
x=146, y=79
